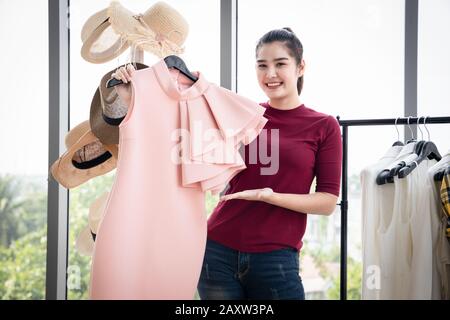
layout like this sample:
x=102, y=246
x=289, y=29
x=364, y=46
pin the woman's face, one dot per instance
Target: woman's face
x=277, y=71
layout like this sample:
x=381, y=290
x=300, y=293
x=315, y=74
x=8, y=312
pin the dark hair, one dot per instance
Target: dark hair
x=292, y=43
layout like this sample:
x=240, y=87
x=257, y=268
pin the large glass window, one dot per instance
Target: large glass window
x=433, y=96
x=202, y=52
x=24, y=143
x=354, y=53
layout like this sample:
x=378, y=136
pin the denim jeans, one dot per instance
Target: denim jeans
x=228, y=274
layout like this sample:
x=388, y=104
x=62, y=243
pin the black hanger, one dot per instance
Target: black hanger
x=428, y=150
x=398, y=143
x=177, y=63
x=384, y=176
x=171, y=61
x=417, y=150
x=402, y=164
x=387, y=175
x=418, y=147
x=114, y=82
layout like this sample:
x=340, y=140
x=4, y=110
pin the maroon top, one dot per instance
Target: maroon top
x=309, y=146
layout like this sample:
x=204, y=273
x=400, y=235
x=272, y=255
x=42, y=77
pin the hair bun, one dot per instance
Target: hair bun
x=288, y=29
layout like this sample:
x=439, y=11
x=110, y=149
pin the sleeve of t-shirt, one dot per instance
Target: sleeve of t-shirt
x=329, y=158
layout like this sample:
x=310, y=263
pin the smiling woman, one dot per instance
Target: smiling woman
x=279, y=70
x=354, y=54
x=274, y=203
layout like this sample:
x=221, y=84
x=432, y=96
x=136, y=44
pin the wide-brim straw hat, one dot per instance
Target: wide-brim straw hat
x=160, y=30
x=108, y=109
x=100, y=42
x=86, y=239
x=86, y=157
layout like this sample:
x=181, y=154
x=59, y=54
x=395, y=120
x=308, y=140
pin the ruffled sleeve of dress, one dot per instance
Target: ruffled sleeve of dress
x=214, y=126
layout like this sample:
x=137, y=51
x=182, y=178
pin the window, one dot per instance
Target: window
x=24, y=142
x=433, y=78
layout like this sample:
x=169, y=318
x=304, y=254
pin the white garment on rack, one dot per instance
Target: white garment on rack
x=440, y=243
x=375, y=200
x=421, y=237
x=392, y=233
x=406, y=257
x=395, y=271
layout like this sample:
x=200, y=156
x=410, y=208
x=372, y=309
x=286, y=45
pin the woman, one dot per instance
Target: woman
x=255, y=232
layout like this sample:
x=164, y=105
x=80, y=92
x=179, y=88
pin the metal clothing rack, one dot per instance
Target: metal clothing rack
x=344, y=197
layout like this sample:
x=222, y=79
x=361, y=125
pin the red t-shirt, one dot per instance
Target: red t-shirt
x=310, y=146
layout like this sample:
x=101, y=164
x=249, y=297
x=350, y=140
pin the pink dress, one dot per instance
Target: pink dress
x=178, y=140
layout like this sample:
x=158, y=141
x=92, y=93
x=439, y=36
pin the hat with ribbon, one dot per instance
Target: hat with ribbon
x=108, y=110
x=86, y=157
x=160, y=30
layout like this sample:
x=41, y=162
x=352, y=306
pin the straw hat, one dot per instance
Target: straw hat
x=100, y=42
x=161, y=30
x=86, y=239
x=107, y=110
x=86, y=157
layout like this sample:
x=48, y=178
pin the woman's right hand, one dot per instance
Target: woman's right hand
x=124, y=90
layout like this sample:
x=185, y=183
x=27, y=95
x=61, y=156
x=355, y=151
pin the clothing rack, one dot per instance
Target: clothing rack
x=345, y=124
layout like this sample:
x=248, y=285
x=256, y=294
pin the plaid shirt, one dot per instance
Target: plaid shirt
x=445, y=197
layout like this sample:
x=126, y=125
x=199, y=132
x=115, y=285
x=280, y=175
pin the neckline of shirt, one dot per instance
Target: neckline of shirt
x=271, y=109
x=169, y=86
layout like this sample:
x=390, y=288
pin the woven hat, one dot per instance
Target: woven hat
x=100, y=42
x=86, y=157
x=160, y=30
x=86, y=239
x=108, y=109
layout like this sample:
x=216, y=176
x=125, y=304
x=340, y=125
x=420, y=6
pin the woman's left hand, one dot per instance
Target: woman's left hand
x=253, y=195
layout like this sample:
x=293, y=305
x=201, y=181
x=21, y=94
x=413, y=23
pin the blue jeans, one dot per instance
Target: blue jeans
x=228, y=274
